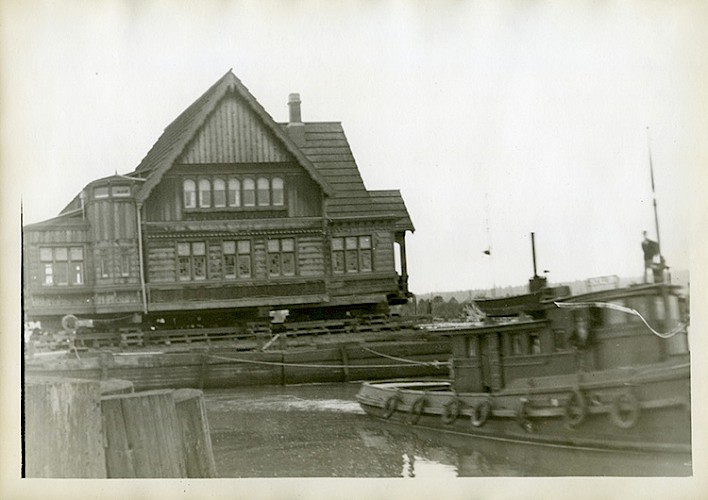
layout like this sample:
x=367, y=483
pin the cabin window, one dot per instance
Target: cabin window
x=219, y=193
x=120, y=191
x=191, y=261
x=234, y=192
x=263, y=192
x=281, y=257
x=62, y=266
x=100, y=192
x=249, y=193
x=472, y=347
x=189, y=189
x=559, y=340
x=278, y=192
x=204, y=193
x=535, y=343
x=237, y=259
x=517, y=344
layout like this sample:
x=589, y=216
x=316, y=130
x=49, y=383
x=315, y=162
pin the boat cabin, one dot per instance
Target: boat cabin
x=583, y=333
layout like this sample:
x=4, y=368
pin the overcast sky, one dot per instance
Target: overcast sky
x=494, y=119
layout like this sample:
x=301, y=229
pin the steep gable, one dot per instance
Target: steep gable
x=233, y=133
x=179, y=135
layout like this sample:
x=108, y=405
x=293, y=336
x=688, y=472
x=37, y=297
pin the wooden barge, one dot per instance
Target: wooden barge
x=305, y=352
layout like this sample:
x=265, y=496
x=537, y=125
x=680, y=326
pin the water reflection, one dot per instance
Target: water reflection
x=320, y=431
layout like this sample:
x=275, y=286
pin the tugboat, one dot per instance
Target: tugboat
x=605, y=370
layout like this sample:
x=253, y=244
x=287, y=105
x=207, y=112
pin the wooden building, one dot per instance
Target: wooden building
x=229, y=215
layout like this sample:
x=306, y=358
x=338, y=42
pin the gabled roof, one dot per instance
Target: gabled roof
x=327, y=147
x=177, y=135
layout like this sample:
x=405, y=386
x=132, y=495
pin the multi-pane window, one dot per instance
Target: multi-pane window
x=352, y=254
x=237, y=259
x=105, y=264
x=278, y=192
x=190, y=193
x=62, y=265
x=124, y=263
x=234, y=192
x=263, y=192
x=120, y=191
x=220, y=193
x=281, y=257
x=249, y=193
x=204, y=193
x=191, y=261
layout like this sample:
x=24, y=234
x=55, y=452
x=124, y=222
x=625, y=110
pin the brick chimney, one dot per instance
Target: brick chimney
x=296, y=129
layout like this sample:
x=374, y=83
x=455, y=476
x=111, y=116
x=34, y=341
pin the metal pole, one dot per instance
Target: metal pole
x=533, y=253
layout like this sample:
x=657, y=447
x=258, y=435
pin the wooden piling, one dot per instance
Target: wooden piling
x=63, y=436
x=196, y=439
x=143, y=435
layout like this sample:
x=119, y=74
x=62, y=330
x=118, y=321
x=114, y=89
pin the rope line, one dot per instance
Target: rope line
x=436, y=363
x=628, y=310
x=300, y=365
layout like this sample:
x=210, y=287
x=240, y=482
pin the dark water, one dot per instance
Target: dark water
x=320, y=431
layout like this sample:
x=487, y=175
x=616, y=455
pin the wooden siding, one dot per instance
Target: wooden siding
x=111, y=219
x=234, y=134
x=310, y=256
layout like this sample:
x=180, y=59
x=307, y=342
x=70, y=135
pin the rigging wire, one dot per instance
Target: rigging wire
x=628, y=310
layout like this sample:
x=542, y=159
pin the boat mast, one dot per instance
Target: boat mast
x=653, y=193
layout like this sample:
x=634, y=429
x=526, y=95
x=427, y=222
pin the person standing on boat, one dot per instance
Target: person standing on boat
x=651, y=250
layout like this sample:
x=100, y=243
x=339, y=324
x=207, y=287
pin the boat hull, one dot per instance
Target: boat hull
x=643, y=411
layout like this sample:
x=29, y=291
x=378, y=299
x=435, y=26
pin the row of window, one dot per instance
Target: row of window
x=115, y=191
x=233, y=192
x=65, y=265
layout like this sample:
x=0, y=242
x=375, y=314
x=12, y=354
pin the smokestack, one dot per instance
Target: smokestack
x=296, y=129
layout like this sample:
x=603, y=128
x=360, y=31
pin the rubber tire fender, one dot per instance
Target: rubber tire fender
x=391, y=405
x=625, y=411
x=417, y=409
x=481, y=413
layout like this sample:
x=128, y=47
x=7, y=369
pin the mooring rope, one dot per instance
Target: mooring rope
x=628, y=310
x=435, y=363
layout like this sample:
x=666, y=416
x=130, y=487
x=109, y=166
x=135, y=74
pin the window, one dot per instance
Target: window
x=352, y=254
x=191, y=261
x=120, y=191
x=249, y=193
x=281, y=257
x=219, y=193
x=105, y=263
x=517, y=344
x=234, y=192
x=244, y=259
x=100, y=192
x=124, y=263
x=535, y=342
x=263, y=192
x=229, y=251
x=189, y=189
x=278, y=192
x=204, y=193
x=62, y=265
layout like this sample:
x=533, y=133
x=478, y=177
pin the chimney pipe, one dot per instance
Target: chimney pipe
x=294, y=104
